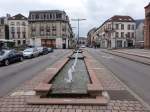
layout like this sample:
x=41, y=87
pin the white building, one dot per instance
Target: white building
x=116, y=32
x=18, y=29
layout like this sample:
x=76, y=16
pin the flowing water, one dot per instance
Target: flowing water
x=74, y=83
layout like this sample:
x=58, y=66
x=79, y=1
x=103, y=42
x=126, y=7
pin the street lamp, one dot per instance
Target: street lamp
x=78, y=20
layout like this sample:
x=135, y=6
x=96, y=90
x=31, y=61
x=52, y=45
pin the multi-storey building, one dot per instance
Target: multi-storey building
x=18, y=29
x=50, y=28
x=116, y=32
x=4, y=29
x=147, y=27
x=139, y=41
x=90, y=37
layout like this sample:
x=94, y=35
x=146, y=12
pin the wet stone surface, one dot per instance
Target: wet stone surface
x=80, y=79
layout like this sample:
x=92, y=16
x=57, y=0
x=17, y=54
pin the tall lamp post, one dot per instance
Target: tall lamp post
x=78, y=20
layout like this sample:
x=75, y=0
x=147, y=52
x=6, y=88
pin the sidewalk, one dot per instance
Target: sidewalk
x=136, y=52
x=137, y=55
x=121, y=100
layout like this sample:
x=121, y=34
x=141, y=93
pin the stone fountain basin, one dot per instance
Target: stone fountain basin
x=93, y=87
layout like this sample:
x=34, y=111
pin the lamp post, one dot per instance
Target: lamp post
x=78, y=20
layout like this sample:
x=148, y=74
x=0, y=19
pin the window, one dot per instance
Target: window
x=18, y=34
x=12, y=29
x=24, y=34
x=129, y=27
x=23, y=24
x=13, y=35
x=54, y=28
x=18, y=23
x=18, y=29
x=117, y=34
x=122, y=27
x=132, y=35
x=19, y=42
x=132, y=27
x=12, y=23
x=122, y=34
x=24, y=41
x=128, y=35
x=117, y=26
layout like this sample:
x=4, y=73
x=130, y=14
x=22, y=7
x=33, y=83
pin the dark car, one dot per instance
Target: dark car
x=45, y=51
x=50, y=50
x=10, y=56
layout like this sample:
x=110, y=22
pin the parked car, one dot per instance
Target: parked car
x=50, y=50
x=10, y=56
x=43, y=50
x=40, y=50
x=30, y=53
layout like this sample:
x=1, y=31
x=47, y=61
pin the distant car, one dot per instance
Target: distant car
x=10, y=56
x=50, y=50
x=30, y=53
x=83, y=46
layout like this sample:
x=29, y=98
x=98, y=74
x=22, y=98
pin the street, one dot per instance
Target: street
x=16, y=74
x=135, y=75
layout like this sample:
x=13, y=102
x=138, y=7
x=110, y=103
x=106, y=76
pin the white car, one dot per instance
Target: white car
x=30, y=53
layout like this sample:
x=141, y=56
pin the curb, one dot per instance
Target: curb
x=127, y=58
x=132, y=54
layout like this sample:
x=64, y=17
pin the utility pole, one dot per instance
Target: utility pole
x=78, y=20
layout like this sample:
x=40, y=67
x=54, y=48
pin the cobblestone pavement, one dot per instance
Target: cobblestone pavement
x=121, y=99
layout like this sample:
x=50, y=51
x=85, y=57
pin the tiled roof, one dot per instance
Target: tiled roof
x=18, y=17
x=119, y=18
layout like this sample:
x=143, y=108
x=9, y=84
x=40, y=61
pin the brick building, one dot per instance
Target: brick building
x=147, y=27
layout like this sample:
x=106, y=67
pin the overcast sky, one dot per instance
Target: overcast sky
x=95, y=11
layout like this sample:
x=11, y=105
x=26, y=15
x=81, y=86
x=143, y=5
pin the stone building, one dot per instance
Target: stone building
x=139, y=41
x=147, y=27
x=50, y=28
x=4, y=29
x=18, y=29
x=90, y=37
x=116, y=32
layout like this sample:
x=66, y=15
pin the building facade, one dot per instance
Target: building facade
x=4, y=29
x=147, y=27
x=90, y=37
x=82, y=41
x=116, y=32
x=18, y=29
x=139, y=41
x=50, y=28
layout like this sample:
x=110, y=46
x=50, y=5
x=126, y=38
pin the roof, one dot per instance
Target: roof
x=18, y=17
x=46, y=11
x=138, y=22
x=147, y=6
x=120, y=18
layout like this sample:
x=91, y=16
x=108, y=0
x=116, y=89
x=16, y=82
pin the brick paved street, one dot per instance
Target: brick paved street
x=119, y=102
